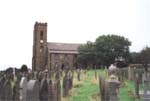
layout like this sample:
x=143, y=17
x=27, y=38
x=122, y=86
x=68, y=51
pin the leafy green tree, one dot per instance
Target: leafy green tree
x=145, y=57
x=110, y=48
x=135, y=57
x=24, y=68
x=104, y=51
x=86, y=54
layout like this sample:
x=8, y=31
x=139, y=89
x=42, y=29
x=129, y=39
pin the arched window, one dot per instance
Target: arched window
x=41, y=37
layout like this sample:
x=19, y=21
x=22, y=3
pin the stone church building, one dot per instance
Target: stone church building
x=48, y=55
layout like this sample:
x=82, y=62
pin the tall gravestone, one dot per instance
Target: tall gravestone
x=113, y=84
x=113, y=88
x=51, y=91
x=44, y=90
x=33, y=90
x=137, y=81
x=146, y=88
x=8, y=92
x=104, y=91
x=23, y=89
x=58, y=90
x=16, y=93
x=65, y=85
x=2, y=81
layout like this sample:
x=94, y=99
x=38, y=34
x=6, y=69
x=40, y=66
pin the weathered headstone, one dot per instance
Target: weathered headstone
x=51, y=91
x=113, y=88
x=23, y=89
x=16, y=93
x=137, y=86
x=2, y=81
x=65, y=85
x=78, y=74
x=146, y=88
x=44, y=90
x=8, y=92
x=58, y=90
x=104, y=93
x=33, y=90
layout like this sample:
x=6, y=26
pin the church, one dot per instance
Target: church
x=48, y=55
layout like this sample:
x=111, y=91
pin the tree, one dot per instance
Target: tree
x=145, y=57
x=110, y=48
x=24, y=68
x=104, y=51
x=86, y=54
x=135, y=57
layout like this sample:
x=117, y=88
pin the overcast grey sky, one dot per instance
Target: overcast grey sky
x=75, y=21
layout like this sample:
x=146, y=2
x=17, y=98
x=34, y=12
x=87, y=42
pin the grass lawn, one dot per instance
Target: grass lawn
x=88, y=88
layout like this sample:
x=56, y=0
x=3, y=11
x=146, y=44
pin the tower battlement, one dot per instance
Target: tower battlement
x=40, y=24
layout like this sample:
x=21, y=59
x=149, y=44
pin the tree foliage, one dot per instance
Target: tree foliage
x=87, y=54
x=105, y=50
x=24, y=68
x=135, y=57
x=145, y=57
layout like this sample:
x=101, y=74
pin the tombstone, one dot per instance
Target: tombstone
x=78, y=74
x=23, y=89
x=8, y=92
x=33, y=90
x=51, y=91
x=113, y=88
x=112, y=70
x=44, y=90
x=104, y=91
x=95, y=73
x=54, y=91
x=16, y=93
x=70, y=80
x=58, y=90
x=2, y=81
x=146, y=88
x=65, y=85
x=137, y=86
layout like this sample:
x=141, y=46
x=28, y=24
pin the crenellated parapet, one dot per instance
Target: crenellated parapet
x=40, y=24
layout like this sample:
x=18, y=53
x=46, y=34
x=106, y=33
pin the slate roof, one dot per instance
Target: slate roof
x=54, y=47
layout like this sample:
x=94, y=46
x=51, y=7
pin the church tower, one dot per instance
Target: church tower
x=39, y=59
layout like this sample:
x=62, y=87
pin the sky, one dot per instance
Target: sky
x=70, y=21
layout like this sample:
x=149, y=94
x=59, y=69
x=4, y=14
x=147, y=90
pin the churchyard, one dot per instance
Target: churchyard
x=126, y=84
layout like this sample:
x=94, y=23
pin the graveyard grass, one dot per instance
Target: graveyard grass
x=88, y=88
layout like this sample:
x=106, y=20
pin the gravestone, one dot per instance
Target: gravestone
x=44, y=90
x=58, y=90
x=51, y=91
x=2, y=81
x=113, y=88
x=8, y=92
x=54, y=91
x=16, y=93
x=146, y=82
x=33, y=90
x=65, y=85
x=112, y=70
x=78, y=74
x=23, y=89
x=137, y=86
x=104, y=93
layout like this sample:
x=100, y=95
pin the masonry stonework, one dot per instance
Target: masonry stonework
x=48, y=55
